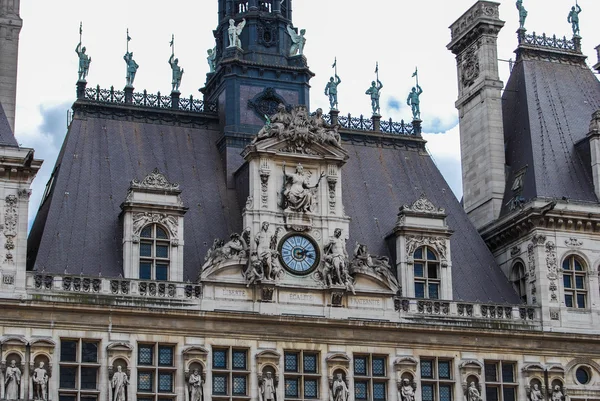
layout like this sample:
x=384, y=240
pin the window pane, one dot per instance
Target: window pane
x=219, y=384
x=89, y=352
x=427, y=392
x=360, y=390
x=444, y=369
x=146, y=232
x=291, y=362
x=427, y=369
x=582, y=376
x=508, y=394
x=65, y=397
x=89, y=377
x=360, y=365
x=378, y=366
x=162, y=251
x=68, y=351
x=491, y=393
x=581, y=300
x=432, y=270
x=291, y=388
x=419, y=290
x=165, y=382
x=88, y=398
x=434, y=291
x=569, y=300
x=144, y=399
x=566, y=264
x=68, y=377
x=311, y=388
x=145, y=381
x=418, y=270
x=146, y=249
x=567, y=281
x=430, y=255
x=165, y=356
x=310, y=363
x=145, y=270
x=578, y=265
x=220, y=359
x=445, y=392
x=160, y=233
x=239, y=359
x=379, y=391
x=145, y=354
x=579, y=282
x=239, y=385
x=162, y=271
x=418, y=254
x=508, y=373
x=491, y=374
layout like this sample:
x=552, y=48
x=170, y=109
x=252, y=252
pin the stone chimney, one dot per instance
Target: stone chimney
x=10, y=28
x=594, y=139
x=479, y=104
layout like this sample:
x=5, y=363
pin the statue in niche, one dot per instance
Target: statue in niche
x=535, y=393
x=573, y=19
x=12, y=381
x=119, y=384
x=557, y=394
x=522, y=14
x=339, y=389
x=263, y=263
x=363, y=261
x=267, y=388
x=298, y=195
x=335, y=269
x=407, y=390
x=40, y=382
x=132, y=68
x=234, y=33
x=373, y=91
x=298, y=41
x=195, y=383
x=177, y=73
x=414, y=102
x=84, y=62
x=473, y=393
x=212, y=59
x=331, y=91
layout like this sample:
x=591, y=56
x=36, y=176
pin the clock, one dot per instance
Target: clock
x=299, y=254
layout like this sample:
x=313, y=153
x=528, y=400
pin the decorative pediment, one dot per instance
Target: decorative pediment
x=556, y=368
x=472, y=363
x=405, y=361
x=376, y=267
x=13, y=340
x=119, y=346
x=155, y=181
x=533, y=367
x=276, y=145
x=423, y=206
x=195, y=350
x=268, y=354
x=43, y=342
x=337, y=358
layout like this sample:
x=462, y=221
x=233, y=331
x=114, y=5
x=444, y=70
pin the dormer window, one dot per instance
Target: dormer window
x=427, y=273
x=154, y=253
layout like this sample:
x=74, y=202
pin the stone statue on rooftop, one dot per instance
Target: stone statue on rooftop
x=234, y=32
x=413, y=101
x=331, y=91
x=298, y=41
x=573, y=18
x=177, y=73
x=132, y=68
x=522, y=14
x=374, y=92
x=212, y=59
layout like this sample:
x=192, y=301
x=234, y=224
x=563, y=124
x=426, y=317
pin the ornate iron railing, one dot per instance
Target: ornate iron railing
x=145, y=99
x=548, y=41
x=366, y=124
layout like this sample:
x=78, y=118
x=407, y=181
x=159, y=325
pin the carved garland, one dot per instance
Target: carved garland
x=470, y=66
x=10, y=225
x=552, y=270
x=155, y=180
x=142, y=219
x=438, y=243
x=531, y=270
x=423, y=205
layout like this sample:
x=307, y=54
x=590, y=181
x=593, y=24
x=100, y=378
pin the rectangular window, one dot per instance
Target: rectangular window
x=78, y=369
x=500, y=380
x=230, y=373
x=156, y=372
x=437, y=382
x=301, y=375
x=370, y=377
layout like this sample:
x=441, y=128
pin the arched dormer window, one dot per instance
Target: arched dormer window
x=154, y=253
x=427, y=273
x=519, y=281
x=574, y=282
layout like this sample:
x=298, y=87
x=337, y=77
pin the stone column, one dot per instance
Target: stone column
x=81, y=89
x=175, y=99
x=376, y=122
x=417, y=126
x=594, y=140
x=334, y=116
x=128, y=94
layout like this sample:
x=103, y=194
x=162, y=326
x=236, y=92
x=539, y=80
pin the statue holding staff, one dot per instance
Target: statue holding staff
x=132, y=66
x=373, y=91
x=177, y=71
x=84, y=59
x=573, y=18
x=331, y=88
x=522, y=14
x=413, y=98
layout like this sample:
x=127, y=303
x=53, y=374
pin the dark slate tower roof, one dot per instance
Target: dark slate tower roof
x=6, y=135
x=547, y=106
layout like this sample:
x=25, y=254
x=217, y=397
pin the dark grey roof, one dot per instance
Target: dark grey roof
x=6, y=135
x=547, y=107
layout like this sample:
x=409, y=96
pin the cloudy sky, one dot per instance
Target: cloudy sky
x=398, y=34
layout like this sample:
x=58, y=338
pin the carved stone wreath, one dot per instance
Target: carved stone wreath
x=438, y=243
x=266, y=102
x=155, y=180
x=423, y=205
x=470, y=67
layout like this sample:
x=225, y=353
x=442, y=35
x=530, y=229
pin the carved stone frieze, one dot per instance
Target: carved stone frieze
x=142, y=219
x=236, y=247
x=332, y=180
x=155, y=180
x=514, y=251
x=438, y=243
x=366, y=263
x=573, y=243
x=10, y=225
x=552, y=270
x=470, y=66
x=481, y=10
x=423, y=205
x=264, y=188
x=538, y=239
x=531, y=262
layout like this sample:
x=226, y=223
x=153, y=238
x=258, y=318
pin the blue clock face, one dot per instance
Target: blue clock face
x=299, y=254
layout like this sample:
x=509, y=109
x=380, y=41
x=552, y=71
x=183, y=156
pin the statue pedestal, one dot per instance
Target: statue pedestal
x=334, y=114
x=297, y=61
x=233, y=52
x=175, y=99
x=81, y=89
x=376, y=122
x=128, y=94
x=297, y=221
x=417, y=126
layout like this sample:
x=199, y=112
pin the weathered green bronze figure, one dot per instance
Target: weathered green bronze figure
x=84, y=59
x=573, y=18
x=331, y=91
x=374, y=92
x=413, y=101
x=177, y=71
x=522, y=14
x=212, y=59
x=298, y=41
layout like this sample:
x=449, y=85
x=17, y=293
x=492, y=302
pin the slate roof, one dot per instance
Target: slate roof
x=78, y=230
x=6, y=135
x=547, y=107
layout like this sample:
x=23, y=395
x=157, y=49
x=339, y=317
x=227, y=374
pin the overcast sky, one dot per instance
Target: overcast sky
x=398, y=34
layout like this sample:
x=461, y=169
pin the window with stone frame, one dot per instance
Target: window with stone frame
x=437, y=383
x=574, y=282
x=519, y=280
x=500, y=381
x=154, y=253
x=78, y=370
x=301, y=375
x=156, y=372
x=230, y=373
x=370, y=377
x=426, y=267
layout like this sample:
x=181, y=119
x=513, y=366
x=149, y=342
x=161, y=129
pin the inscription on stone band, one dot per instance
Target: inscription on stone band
x=366, y=302
x=232, y=293
x=300, y=298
